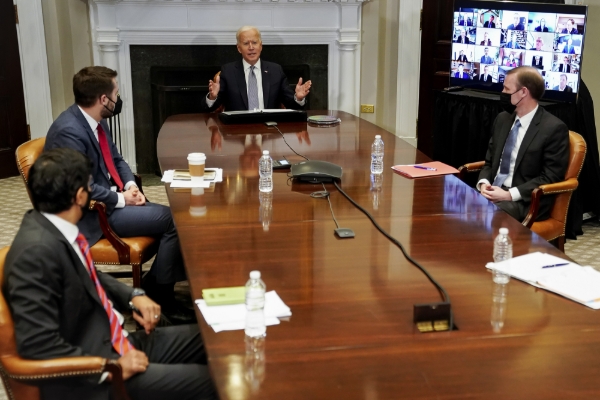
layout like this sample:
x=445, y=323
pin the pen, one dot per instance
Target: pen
x=425, y=168
x=555, y=265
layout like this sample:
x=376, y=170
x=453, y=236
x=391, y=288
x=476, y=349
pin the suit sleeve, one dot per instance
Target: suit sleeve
x=118, y=292
x=71, y=138
x=486, y=172
x=286, y=94
x=555, y=161
x=34, y=294
x=220, y=98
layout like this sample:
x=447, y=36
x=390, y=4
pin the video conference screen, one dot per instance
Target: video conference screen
x=490, y=38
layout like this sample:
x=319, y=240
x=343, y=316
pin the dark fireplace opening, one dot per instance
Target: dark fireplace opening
x=170, y=80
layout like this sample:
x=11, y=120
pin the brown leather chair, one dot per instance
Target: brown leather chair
x=111, y=249
x=20, y=375
x=552, y=229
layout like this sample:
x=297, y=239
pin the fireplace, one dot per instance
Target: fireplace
x=125, y=29
x=169, y=80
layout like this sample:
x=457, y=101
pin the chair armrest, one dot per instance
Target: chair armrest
x=552, y=188
x=32, y=371
x=470, y=167
x=120, y=246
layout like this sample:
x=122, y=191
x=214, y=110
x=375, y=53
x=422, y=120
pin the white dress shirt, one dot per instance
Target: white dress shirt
x=258, y=74
x=525, y=122
x=94, y=126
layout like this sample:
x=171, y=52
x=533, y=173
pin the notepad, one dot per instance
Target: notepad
x=410, y=171
x=226, y=295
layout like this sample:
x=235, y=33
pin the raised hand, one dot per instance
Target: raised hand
x=214, y=87
x=302, y=90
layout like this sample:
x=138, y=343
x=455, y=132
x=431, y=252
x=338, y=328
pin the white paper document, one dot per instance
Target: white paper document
x=580, y=284
x=185, y=183
x=233, y=317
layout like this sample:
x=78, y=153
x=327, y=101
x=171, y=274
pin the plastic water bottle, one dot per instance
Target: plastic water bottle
x=265, y=170
x=377, y=155
x=255, y=306
x=502, y=252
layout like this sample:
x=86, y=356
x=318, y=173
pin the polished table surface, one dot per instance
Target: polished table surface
x=351, y=334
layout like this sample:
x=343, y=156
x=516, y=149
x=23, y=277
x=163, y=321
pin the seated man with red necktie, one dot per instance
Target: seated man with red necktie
x=63, y=307
x=82, y=127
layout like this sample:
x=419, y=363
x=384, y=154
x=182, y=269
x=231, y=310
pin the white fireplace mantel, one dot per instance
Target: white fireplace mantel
x=118, y=24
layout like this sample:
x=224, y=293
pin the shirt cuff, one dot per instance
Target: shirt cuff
x=480, y=182
x=210, y=102
x=129, y=184
x=301, y=103
x=103, y=377
x=120, y=201
x=515, y=194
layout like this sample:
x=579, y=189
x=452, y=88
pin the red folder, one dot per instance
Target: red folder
x=410, y=171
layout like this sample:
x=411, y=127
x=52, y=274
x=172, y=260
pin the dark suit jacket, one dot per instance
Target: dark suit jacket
x=519, y=27
x=574, y=31
x=55, y=306
x=71, y=129
x=488, y=24
x=487, y=59
x=509, y=45
x=561, y=68
x=234, y=93
x=568, y=89
x=489, y=42
x=464, y=75
x=482, y=78
x=542, y=158
x=569, y=49
x=539, y=64
x=459, y=40
x=463, y=58
x=540, y=29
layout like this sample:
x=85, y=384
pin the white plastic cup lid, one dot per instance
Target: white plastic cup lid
x=196, y=157
x=265, y=152
x=255, y=275
x=503, y=231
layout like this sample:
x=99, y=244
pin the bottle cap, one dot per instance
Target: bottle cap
x=377, y=136
x=255, y=275
x=503, y=231
x=265, y=152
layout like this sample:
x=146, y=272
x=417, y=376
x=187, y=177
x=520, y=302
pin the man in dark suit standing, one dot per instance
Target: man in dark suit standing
x=485, y=77
x=60, y=303
x=565, y=66
x=252, y=83
x=463, y=38
x=83, y=127
x=537, y=62
x=462, y=57
x=562, y=86
x=529, y=147
x=490, y=23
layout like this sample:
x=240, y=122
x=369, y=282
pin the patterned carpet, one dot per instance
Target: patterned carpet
x=14, y=202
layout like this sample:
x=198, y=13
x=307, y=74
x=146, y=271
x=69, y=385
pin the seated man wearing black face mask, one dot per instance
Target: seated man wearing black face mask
x=529, y=147
x=82, y=127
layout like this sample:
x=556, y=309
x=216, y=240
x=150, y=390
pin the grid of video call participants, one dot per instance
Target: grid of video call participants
x=489, y=43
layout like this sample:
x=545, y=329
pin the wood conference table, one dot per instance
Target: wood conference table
x=351, y=334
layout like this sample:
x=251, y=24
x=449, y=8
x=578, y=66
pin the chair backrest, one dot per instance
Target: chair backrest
x=26, y=155
x=577, y=152
x=8, y=347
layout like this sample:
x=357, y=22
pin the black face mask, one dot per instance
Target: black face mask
x=506, y=104
x=118, y=106
x=86, y=208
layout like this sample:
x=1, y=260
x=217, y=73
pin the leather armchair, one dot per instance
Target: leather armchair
x=111, y=249
x=552, y=229
x=20, y=375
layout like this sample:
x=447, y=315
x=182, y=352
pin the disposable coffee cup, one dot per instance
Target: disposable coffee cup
x=196, y=163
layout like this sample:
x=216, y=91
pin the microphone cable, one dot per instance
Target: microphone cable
x=288, y=145
x=325, y=194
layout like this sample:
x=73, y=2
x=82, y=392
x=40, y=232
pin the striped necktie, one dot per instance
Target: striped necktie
x=252, y=90
x=511, y=141
x=118, y=339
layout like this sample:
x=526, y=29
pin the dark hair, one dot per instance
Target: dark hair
x=55, y=178
x=572, y=21
x=530, y=78
x=91, y=83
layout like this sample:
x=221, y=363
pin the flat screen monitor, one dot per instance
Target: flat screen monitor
x=490, y=38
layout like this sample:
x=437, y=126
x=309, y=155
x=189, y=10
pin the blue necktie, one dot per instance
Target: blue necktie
x=252, y=90
x=511, y=140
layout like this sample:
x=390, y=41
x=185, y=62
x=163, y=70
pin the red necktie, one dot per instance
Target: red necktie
x=119, y=341
x=107, y=156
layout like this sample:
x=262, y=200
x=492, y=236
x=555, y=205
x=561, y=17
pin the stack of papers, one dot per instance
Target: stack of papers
x=233, y=317
x=168, y=177
x=580, y=284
